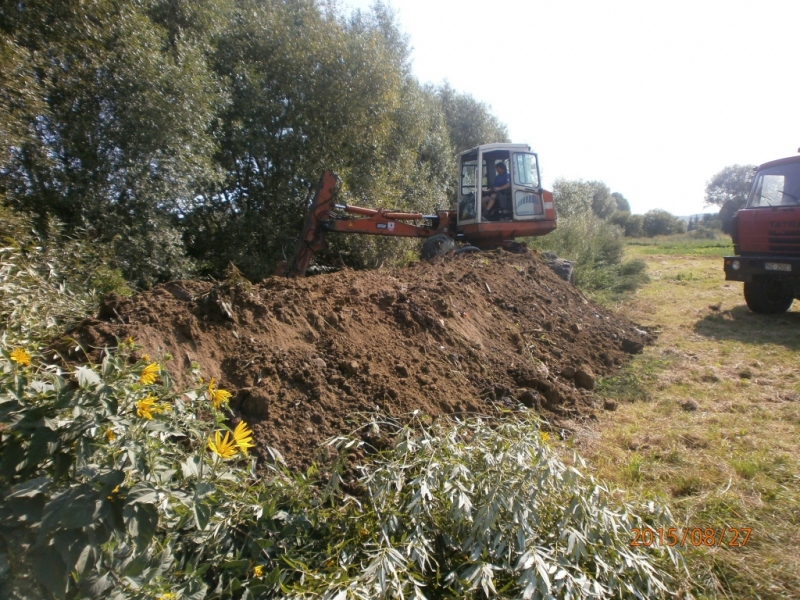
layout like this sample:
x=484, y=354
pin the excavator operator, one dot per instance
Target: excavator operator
x=489, y=199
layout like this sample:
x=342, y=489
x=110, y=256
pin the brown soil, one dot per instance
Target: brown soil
x=459, y=335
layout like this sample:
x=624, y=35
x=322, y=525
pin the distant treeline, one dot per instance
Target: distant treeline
x=577, y=197
x=188, y=134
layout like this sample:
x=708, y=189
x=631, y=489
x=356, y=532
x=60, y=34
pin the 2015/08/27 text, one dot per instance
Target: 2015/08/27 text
x=695, y=536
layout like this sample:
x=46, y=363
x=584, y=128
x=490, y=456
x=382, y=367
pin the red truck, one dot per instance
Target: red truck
x=766, y=239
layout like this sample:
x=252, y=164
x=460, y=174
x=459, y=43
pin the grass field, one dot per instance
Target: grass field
x=708, y=420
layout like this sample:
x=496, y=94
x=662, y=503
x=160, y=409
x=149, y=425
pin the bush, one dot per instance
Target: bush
x=49, y=280
x=586, y=239
x=634, y=226
x=660, y=222
x=115, y=486
x=596, y=246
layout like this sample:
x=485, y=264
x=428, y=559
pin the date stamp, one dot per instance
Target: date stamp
x=732, y=537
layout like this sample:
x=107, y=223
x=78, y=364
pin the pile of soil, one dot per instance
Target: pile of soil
x=454, y=336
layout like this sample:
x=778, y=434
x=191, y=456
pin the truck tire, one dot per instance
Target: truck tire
x=768, y=295
x=437, y=245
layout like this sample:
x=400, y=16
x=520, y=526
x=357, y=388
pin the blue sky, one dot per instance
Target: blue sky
x=653, y=98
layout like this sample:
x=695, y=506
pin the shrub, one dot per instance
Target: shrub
x=48, y=280
x=586, y=239
x=596, y=247
x=115, y=486
x=660, y=222
x=634, y=226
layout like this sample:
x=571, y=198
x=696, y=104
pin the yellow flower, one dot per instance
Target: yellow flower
x=110, y=435
x=111, y=495
x=243, y=437
x=218, y=397
x=167, y=596
x=146, y=357
x=224, y=447
x=149, y=374
x=129, y=340
x=258, y=571
x=146, y=407
x=544, y=435
x=19, y=356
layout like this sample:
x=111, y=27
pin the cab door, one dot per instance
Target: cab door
x=526, y=187
x=472, y=180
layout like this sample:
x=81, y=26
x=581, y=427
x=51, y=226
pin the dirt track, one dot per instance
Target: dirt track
x=456, y=336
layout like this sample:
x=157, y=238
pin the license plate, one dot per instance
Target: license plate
x=777, y=267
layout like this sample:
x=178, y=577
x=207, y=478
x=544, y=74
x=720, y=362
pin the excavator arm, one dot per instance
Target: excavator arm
x=370, y=221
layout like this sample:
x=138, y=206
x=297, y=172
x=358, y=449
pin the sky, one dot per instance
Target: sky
x=652, y=97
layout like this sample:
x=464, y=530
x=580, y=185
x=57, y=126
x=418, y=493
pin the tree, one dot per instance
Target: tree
x=121, y=133
x=729, y=190
x=634, y=226
x=603, y=204
x=622, y=202
x=470, y=122
x=660, y=222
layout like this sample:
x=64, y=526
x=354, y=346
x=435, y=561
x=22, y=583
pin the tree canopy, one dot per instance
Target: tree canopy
x=191, y=134
x=729, y=190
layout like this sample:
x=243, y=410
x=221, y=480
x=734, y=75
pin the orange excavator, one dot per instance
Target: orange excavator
x=500, y=198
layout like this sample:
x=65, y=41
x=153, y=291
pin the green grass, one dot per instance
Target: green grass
x=708, y=419
x=683, y=244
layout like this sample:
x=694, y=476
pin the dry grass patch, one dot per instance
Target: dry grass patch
x=708, y=420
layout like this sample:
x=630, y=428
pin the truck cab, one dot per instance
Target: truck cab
x=524, y=209
x=766, y=239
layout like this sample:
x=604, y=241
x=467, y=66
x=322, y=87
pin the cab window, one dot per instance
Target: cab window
x=776, y=186
x=525, y=172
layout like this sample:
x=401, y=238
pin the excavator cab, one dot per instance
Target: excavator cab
x=523, y=208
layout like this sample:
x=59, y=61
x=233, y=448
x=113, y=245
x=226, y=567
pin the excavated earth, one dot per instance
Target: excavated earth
x=460, y=335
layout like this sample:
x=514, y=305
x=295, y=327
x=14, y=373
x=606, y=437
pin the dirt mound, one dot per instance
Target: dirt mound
x=454, y=336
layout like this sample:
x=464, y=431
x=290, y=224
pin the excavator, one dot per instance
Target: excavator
x=520, y=207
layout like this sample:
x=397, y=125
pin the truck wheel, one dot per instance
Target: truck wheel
x=437, y=245
x=768, y=295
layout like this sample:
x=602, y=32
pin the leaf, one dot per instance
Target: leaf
x=86, y=377
x=96, y=585
x=202, y=515
x=142, y=493
x=73, y=509
x=50, y=570
x=30, y=488
x=191, y=467
x=141, y=521
x=204, y=489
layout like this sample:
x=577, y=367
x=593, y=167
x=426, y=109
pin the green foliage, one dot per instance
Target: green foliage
x=49, y=280
x=121, y=136
x=729, y=190
x=634, y=226
x=622, y=202
x=175, y=128
x=597, y=248
x=603, y=203
x=575, y=196
x=101, y=501
x=470, y=123
x=660, y=222
x=731, y=184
